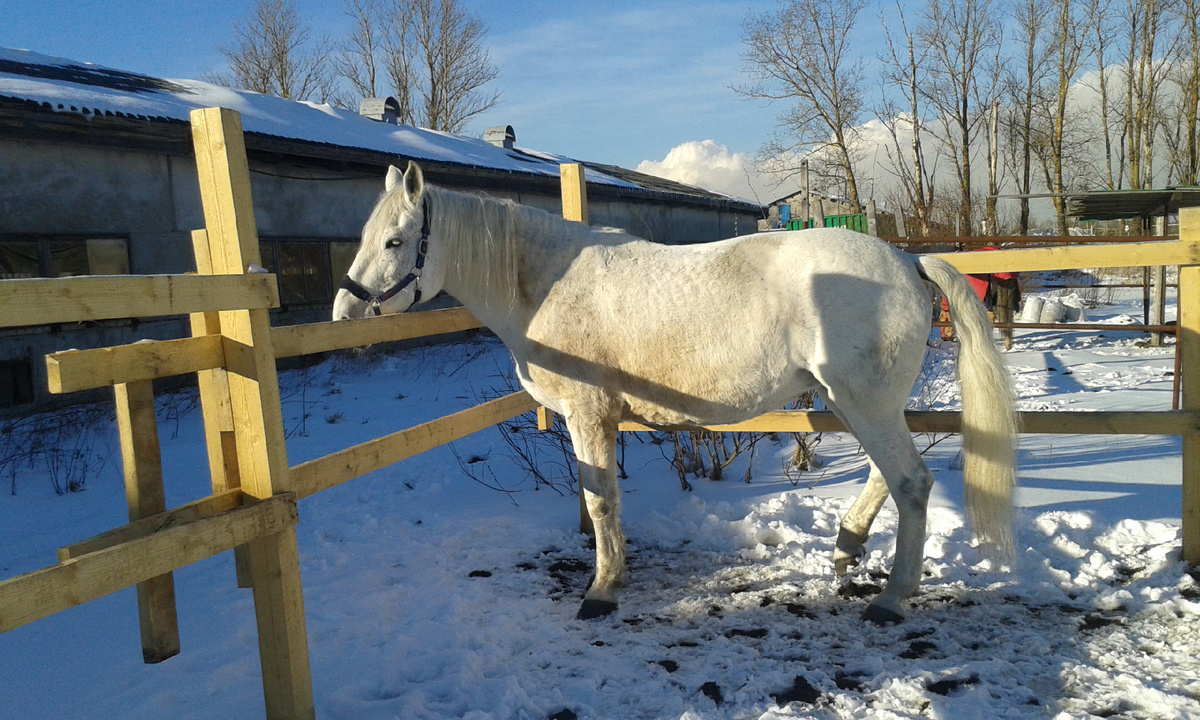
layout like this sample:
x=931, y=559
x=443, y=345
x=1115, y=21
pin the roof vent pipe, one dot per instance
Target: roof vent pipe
x=501, y=136
x=382, y=109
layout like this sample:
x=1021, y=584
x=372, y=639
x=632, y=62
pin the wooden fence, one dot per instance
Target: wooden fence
x=233, y=349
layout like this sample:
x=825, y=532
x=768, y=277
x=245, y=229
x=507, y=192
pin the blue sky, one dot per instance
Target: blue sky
x=616, y=82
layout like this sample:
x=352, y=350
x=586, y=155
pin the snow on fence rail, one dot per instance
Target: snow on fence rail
x=253, y=508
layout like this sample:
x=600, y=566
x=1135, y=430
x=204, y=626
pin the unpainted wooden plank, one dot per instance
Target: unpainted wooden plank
x=224, y=174
x=137, y=428
x=574, y=192
x=573, y=180
x=282, y=634
x=312, y=338
x=35, y=595
x=224, y=179
x=74, y=370
x=195, y=510
x=1033, y=422
x=325, y=472
x=1188, y=349
x=47, y=301
x=1183, y=252
x=216, y=407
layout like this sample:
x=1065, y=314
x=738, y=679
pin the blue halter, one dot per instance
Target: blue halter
x=374, y=300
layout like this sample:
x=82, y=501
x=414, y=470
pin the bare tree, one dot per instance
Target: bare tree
x=1104, y=34
x=275, y=53
x=987, y=99
x=1144, y=74
x=433, y=54
x=1184, y=161
x=1068, y=51
x=1023, y=85
x=401, y=59
x=961, y=37
x=451, y=44
x=903, y=70
x=358, y=56
x=802, y=54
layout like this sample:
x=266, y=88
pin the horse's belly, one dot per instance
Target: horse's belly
x=732, y=403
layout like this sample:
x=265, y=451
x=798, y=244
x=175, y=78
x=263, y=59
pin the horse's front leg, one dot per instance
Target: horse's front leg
x=594, y=437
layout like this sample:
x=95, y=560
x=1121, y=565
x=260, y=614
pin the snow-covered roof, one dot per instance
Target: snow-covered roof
x=67, y=86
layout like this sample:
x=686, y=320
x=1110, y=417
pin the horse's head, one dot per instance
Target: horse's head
x=392, y=270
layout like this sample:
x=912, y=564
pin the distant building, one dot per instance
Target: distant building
x=839, y=212
x=99, y=177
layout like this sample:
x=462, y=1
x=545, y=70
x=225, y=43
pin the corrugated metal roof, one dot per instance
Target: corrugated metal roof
x=1121, y=204
x=58, y=85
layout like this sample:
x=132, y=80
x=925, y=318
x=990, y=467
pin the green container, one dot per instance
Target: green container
x=851, y=221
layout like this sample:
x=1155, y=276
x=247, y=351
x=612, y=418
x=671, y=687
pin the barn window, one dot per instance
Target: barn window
x=341, y=256
x=303, y=268
x=16, y=382
x=56, y=256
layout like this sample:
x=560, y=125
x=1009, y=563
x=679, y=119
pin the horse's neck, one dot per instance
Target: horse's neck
x=503, y=262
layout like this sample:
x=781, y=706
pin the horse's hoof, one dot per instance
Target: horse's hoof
x=843, y=563
x=849, y=549
x=592, y=609
x=882, y=616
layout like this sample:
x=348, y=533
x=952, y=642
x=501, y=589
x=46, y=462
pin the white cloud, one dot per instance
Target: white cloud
x=708, y=165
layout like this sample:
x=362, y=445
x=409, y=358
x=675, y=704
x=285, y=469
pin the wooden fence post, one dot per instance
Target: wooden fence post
x=574, y=192
x=216, y=407
x=1188, y=349
x=224, y=174
x=142, y=458
x=574, y=202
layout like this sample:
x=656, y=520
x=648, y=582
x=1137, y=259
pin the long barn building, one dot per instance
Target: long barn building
x=98, y=176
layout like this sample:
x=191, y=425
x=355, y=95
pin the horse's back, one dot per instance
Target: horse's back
x=709, y=333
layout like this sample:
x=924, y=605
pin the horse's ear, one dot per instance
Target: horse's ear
x=414, y=181
x=394, y=177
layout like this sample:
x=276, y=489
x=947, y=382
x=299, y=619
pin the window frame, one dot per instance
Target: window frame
x=287, y=298
x=45, y=250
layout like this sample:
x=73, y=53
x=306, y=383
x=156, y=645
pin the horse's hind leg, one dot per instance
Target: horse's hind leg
x=594, y=437
x=886, y=439
x=856, y=525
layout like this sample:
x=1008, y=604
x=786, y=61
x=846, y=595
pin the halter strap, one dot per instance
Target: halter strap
x=374, y=300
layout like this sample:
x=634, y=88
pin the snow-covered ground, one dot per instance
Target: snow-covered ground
x=431, y=595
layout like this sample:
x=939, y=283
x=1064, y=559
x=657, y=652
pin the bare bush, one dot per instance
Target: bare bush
x=69, y=446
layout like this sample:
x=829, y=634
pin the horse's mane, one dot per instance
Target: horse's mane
x=482, y=235
x=485, y=237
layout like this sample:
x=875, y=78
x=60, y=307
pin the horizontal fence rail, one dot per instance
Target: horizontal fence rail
x=322, y=473
x=1072, y=422
x=74, y=370
x=91, y=575
x=1173, y=252
x=79, y=299
x=313, y=338
x=976, y=241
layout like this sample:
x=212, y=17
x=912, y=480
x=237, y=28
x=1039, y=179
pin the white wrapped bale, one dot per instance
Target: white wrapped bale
x=1052, y=312
x=1031, y=312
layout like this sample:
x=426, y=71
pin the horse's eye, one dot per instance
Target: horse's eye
x=392, y=243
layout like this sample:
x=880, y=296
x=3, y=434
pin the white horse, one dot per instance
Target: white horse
x=606, y=327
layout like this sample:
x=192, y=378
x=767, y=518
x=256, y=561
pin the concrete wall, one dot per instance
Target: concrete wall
x=153, y=200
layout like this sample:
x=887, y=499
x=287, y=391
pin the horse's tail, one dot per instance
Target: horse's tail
x=989, y=425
